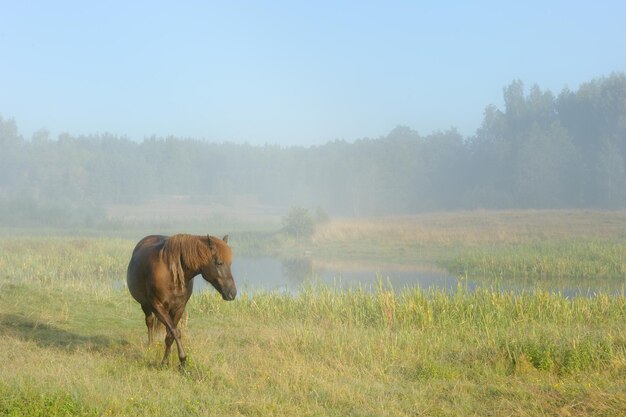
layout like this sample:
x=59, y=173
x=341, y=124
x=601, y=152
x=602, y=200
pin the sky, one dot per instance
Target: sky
x=290, y=72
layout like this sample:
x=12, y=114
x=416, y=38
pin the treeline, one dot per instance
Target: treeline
x=540, y=151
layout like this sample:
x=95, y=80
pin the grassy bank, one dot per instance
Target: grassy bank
x=587, y=248
x=577, y=260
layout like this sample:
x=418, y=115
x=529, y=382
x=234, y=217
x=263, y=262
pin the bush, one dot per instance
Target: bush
x=299, y=223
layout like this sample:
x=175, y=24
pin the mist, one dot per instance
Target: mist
x=541, y=150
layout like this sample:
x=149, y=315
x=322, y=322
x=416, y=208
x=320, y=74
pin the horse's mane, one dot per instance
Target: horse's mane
x=181, y=251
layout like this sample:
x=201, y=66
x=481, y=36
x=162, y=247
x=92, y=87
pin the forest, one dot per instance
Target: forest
x=541, y=150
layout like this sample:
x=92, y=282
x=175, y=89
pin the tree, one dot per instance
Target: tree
x=545, y=168
x=11, y=156
x=610, y=176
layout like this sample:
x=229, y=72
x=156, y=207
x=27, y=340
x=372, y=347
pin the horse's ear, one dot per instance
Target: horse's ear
x=211, y=243
x=225, y=239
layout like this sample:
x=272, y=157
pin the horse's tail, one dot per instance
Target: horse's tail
x=158, y=328
x=184, y=319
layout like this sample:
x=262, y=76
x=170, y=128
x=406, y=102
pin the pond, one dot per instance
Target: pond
x=253, y=274
x=290, y=275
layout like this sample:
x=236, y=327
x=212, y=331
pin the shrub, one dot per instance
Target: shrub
x=299, y=223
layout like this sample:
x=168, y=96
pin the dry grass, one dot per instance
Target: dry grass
x=477, y=228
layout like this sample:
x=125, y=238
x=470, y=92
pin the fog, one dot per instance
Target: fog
x=227, y=114
x=540, y=150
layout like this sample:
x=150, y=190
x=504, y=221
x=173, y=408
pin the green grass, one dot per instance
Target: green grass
x=579, y=262
x=320, y=353
x=74, y=343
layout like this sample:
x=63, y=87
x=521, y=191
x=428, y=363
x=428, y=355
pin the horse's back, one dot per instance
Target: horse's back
x=149, y=242
x=141, y=265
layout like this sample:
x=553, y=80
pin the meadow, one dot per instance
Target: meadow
x=74, y=342
x=540, y=248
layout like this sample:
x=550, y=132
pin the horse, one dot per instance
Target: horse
x=160, y=278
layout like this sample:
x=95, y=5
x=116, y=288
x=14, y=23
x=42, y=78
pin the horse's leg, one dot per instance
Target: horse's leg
x=169, y=339
x=181, y=351
x=172, y=334
x=147, y=310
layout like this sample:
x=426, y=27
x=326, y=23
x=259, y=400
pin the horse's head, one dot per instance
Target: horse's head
x=217, y=271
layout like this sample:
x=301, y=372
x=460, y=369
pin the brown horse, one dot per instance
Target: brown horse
x=160, y=277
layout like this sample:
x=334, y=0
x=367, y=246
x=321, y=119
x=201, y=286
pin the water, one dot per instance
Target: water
x=272, y=274
x=290, y=275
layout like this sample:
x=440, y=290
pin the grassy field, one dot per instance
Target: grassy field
x=74, y=342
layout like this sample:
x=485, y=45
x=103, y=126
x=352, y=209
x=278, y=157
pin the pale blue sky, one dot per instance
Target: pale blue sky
x=290, y=72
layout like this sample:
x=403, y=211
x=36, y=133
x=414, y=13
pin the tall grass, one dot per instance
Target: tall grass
x=501, y=326
x=59, y=261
